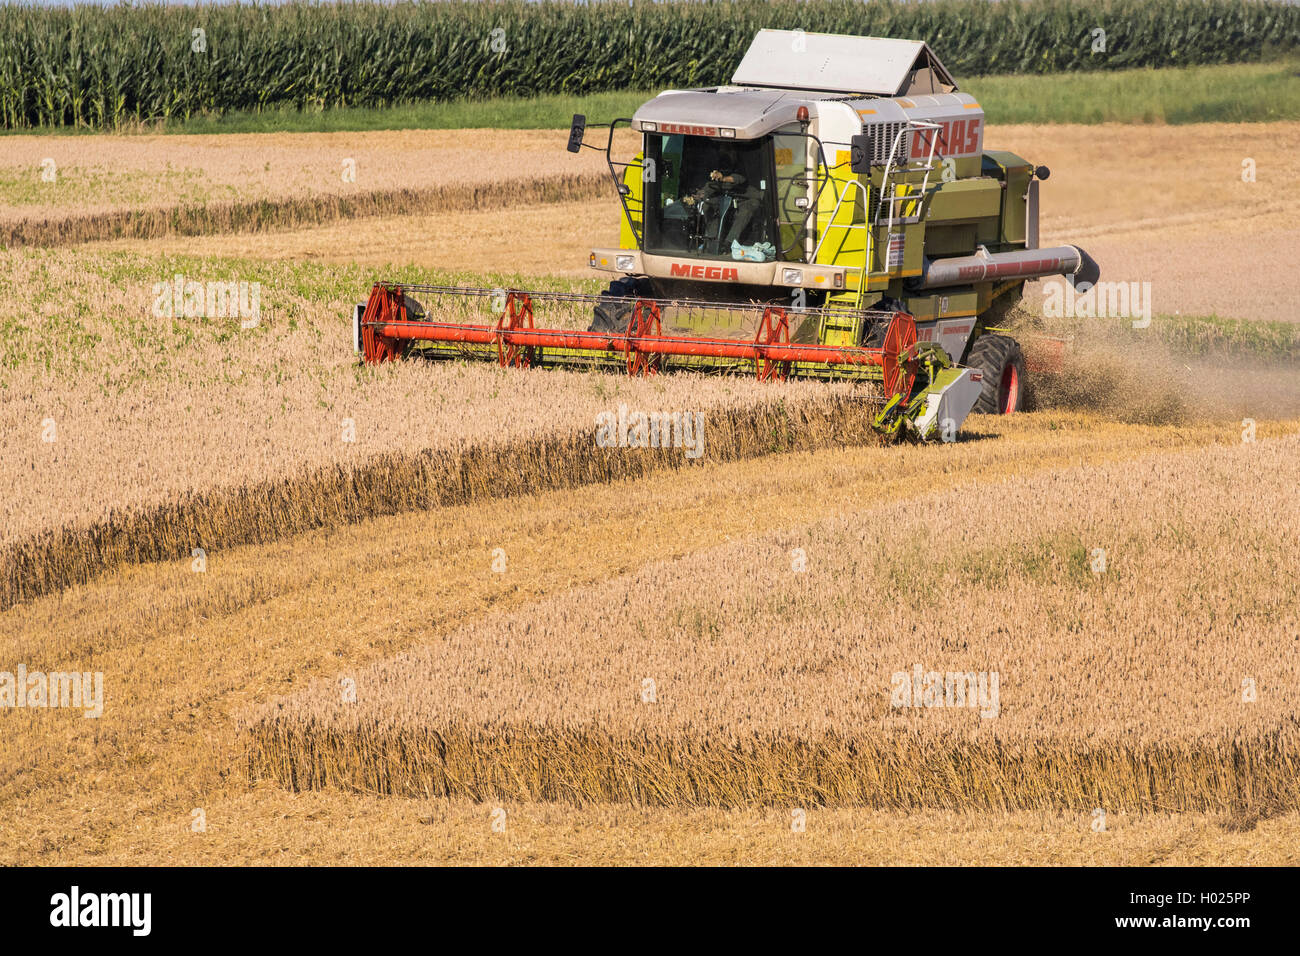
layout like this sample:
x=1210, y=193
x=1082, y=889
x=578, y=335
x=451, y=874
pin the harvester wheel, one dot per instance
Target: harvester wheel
x=612, y=316
x=1003, y=363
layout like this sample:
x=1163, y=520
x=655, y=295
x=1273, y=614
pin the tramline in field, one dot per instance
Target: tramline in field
x=832, y=213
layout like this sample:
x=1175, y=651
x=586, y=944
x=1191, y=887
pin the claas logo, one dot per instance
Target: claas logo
x=956, y=138
x=689, y=271
x=688, y=129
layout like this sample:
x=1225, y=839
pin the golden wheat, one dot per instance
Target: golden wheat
x=1123, y=688
x=107, y=173
x=264, y=215
x=127, y=436
x=181, y=650
x=182, y=653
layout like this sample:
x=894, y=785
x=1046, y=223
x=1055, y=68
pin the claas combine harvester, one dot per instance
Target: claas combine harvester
x=832, y=213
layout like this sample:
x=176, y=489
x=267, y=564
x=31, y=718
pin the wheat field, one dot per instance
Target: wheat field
x=325, y=604
x=55, y=191
x=1193, y=208
x=166, y=434
x=497, y=590
x=773, y=685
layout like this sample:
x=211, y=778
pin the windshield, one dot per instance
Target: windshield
x=709, y=198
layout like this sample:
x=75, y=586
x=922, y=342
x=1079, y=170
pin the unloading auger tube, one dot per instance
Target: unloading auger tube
x=1070, y=261
x=923, y=395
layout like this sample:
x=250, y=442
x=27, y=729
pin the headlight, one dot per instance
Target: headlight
x=792, y=277
x=648, y=127
x=727, y=133
x=625, y=263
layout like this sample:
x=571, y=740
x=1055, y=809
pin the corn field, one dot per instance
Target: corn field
x=98, y=67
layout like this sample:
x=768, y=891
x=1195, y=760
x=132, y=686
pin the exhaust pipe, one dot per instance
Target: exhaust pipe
x=1068, y=261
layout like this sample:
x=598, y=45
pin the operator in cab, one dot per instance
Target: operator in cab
x=726, y=200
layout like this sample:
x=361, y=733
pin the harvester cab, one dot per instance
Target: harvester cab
x=831, y=213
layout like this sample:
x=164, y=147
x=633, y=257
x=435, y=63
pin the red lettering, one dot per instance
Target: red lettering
x=704, y=272
x=973, y=136
x=958, y=133
x=688, y=130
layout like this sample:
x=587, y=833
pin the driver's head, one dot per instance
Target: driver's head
x=728, y=158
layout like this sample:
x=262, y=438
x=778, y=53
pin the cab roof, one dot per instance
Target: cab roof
x=750, y=113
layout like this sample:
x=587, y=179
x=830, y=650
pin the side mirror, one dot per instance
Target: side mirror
x=576, y=130
x=860, y=152
x=1042, y=172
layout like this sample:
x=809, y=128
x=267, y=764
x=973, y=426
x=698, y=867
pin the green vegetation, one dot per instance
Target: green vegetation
x=1058, y=558
x=517, y=112
x=1204, y=94
x=1194, y=335
x=98, y=67
x=1211, y=335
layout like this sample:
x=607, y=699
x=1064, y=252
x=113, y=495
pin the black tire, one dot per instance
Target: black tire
x=1001, y=360
x=613, y=316
x=414, y=310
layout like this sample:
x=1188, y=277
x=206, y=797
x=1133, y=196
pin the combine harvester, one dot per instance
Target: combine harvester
x=831, y=214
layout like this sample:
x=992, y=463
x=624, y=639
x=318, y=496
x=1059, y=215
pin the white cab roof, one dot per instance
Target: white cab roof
x=793, y=59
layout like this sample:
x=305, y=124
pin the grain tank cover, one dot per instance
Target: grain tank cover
x=876, y=66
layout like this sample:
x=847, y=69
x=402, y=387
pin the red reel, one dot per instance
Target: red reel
x=898, y=362
x=386, y=305
x=773, y=329
x=518, y=315
x=645, y=321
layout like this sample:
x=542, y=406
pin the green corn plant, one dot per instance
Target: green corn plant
x=103, y=66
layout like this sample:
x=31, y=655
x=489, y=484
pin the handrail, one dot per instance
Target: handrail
x=885, y=197
x=865, y=268
x=831, y=224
